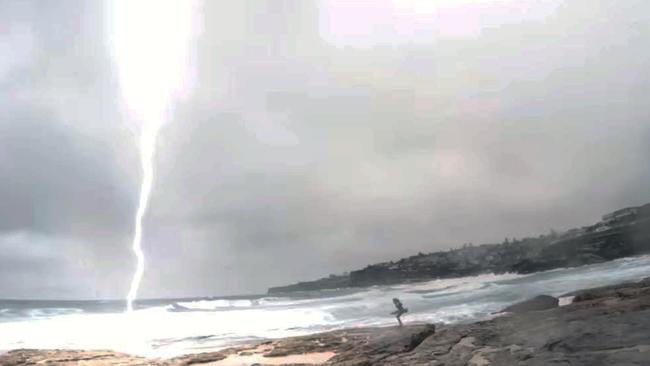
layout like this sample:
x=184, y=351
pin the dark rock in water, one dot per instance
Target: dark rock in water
x=527, y=266
x=612, y=291
x=541, y=302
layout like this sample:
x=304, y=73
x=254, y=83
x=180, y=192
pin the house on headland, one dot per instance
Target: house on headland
x=620, y=215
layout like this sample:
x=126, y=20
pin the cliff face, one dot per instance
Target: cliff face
x=622, y=233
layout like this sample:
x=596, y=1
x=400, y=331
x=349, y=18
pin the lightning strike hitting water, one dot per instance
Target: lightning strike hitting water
x=147, y=149
x=150, y=40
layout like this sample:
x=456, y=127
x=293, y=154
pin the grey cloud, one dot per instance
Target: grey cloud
x=366, y=154
x=296, y=156
x=67, y=162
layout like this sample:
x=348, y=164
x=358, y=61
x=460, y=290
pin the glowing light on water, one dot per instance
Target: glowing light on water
x=151, y=40
x=161, y=330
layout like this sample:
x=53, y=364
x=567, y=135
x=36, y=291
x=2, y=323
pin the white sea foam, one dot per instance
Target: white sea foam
x=210, y=324
x=565, y=300
x=216, y=304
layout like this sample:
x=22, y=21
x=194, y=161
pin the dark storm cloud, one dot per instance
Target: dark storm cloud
x=310, y=145
x=293, y=162
x=68, y=183
x=55, y=178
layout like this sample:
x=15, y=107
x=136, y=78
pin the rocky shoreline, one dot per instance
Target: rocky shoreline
x=601, y=326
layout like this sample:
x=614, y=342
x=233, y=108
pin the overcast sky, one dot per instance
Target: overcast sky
x=318, y=137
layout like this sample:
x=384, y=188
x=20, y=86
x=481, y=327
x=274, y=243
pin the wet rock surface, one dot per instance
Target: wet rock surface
x=603, y=326
x=541, y=302
x=69, y=357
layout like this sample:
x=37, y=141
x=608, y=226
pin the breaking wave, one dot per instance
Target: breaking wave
x=168, y=328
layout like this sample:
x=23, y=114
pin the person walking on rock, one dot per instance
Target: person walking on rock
x=401, y=310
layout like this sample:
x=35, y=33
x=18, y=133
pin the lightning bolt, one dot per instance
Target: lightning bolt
x=151, y=42
x=147, y=151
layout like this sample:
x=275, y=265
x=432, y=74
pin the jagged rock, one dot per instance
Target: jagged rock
x=541, y=302
x=612, y=291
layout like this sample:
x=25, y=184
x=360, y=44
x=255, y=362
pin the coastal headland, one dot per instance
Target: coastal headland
x=622, y=233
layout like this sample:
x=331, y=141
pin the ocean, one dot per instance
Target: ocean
x=166, y=328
